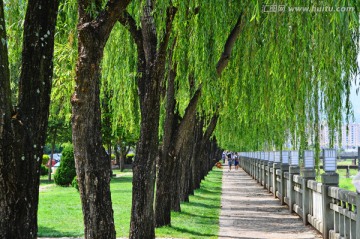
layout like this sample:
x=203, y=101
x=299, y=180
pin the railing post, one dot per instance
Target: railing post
x=263, y=165
x=357, y=215
x=276, y=166
x=253, y=167
x=284, y=169
x=259, y=161
x=293, y=170
x=307, y=173
x=270, y=166
x=329, y=178
x=356, y=182
x=358, y=159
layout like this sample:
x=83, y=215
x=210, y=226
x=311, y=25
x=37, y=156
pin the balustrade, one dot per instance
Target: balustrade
x=329, y=209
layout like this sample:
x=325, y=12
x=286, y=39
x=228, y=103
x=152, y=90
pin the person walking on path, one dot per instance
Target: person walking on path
x=230, y=160
x=223, y=157
x=236, y=162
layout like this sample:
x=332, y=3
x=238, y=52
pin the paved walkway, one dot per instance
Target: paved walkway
x=249, y=211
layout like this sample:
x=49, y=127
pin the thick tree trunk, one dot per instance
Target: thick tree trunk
x=92, y=162
x=166, y=158
x=142, y=213
x=175, y=188
x=196, y=154
x=23, y=132
x=151, y=67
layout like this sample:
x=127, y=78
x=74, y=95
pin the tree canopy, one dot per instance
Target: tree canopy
x=288, y=71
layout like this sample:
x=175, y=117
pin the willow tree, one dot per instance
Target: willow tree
x=292, y=71
x=23, y=126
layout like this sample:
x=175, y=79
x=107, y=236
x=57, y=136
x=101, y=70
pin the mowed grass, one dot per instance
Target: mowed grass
x=199, y=218
x=60, y=213
x=344, y=182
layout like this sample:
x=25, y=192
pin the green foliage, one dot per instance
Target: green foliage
x=66, y=172
x=65, y=55
x=43, y=170
x=75, y=183
x=129, y=158
x=58, y=148
x=14, y=16
x=45, y=159
x=288, y=72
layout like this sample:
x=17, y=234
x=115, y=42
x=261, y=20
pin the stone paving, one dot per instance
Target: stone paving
x=249, y=211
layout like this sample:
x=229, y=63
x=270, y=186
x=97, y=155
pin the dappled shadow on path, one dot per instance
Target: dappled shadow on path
x=249, y=211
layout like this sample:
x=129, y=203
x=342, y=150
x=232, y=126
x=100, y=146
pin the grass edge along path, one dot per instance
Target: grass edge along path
x=199, y=218
x=60, y=210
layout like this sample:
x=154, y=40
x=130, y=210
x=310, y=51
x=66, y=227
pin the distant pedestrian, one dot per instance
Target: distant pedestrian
x=236, y=161
x=223, y=157
x=230, y=160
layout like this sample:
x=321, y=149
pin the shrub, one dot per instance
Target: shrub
x=75, y=183
x=43, y=170
x=113, y=156
x=66, y=172
x=45, y=159
x=129, y=158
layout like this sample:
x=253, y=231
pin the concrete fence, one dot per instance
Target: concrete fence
x=329, y=209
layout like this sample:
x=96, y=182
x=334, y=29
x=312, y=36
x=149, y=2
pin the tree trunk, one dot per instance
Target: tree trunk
x=23, y=131
x=123, y=153
x=175, y=188
x=92, y=162
x=151, y=68
x=142, y=214
x=166, y=158
x=117, y=155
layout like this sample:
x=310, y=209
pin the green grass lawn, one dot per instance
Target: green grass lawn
x=60, y=213
x=344, y=182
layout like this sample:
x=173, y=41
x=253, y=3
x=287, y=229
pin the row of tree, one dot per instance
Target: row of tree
x=173, y=76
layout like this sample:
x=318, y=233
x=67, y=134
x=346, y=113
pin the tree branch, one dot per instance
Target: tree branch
x=187, y=121
x=225, y=56
x=130, y=24
x=105, y=21
x=170, y=15
x=211, y=127
x=148, y=32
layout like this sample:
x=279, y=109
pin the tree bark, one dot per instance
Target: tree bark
x=92, y=162
x=166, y=158
x=151, y=68
x=23, y=131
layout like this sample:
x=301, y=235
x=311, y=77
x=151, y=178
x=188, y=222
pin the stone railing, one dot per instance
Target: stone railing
x=329, y=209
